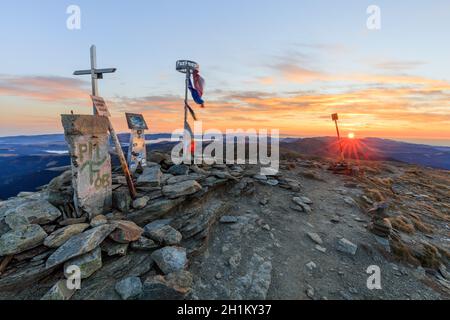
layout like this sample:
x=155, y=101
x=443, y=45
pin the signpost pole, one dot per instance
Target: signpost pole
x=335, y=118
x=102, y=110
x=123, y=161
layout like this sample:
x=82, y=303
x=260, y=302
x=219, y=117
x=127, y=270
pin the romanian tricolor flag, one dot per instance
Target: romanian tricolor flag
x=197, y=88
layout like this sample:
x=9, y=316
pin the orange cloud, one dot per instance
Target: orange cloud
x=43, y=88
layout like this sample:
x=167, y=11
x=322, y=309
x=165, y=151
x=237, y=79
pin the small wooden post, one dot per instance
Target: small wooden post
x=335, y=118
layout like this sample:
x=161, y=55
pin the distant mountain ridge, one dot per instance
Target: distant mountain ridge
x=27, y=162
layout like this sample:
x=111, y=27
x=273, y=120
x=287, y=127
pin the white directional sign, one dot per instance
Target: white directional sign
x=100, y=106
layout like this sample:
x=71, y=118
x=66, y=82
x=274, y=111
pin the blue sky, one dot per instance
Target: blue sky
x=243, y=47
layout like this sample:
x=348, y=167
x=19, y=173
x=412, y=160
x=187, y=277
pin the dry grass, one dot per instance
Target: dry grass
x=420, y=225
x=375, y=195
x=403, y=252
x=402, y=224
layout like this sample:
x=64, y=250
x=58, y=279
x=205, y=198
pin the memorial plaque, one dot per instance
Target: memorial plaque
x=137, y=152
x=88, y=140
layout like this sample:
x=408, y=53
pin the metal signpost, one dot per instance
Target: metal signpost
x=187, y=67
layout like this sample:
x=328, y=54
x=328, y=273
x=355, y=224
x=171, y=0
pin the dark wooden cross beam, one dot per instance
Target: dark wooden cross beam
x=94, y=72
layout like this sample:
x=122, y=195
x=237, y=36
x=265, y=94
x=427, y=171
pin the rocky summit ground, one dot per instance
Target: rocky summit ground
x=228, y=232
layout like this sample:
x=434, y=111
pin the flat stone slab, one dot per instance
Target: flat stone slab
x=181, y=189
x=80, y=244
x=144, y=244
x=151, y=176
x=174, y=286
x=347, y=246
x=163, y=234
x=88, y=263
x=59, y=292
x=32, y=212
x=59, y=237
x=20, y=240
x=170, y=259
x=126, y=231
x=228, y=219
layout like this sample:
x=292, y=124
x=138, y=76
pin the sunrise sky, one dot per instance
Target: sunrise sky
x=282, y=64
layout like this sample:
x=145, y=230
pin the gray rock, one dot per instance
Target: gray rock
x=26, y=276
x=122, y=199
x=126, y=231
x=140, y=203
x=98, y=221
x=174, y=286
x=163, y=234
x=22, y=239
x=306, y=200
x=179, y=170
x=59, y=292
x=80, y=244
x=113, y=248
x=144, y=244
x=272, y=182
x=154, y=210
x=178, y=179
x=170, y=259
x=60, y=236
x=260, y=177
x=228, y=219
x=298, y=201
x=88, y=263
x=32, y=212
x=151, y=176
x=181, y=189
x=129, y=288
x=315, y=237
x=311, y=265
x=346, y=246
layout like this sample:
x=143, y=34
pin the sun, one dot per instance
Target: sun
x=351, y=135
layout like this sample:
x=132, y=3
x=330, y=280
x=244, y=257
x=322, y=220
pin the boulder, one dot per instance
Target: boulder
x=22, y=239
x=60, y=236
x=129, y=288
x=121, y=199
x=80, y=244
x=60, y=191
x=181, y=189
x=347, y=246
x=163, y=234
x=126, y=231
x=170, y=259
x=88, y=263
x=140, y=203
x=151, y=176
x=174, y=286
x=59, y=292
x=113, y=248
x=32, y=212
x=179, y=170
x=144, y=244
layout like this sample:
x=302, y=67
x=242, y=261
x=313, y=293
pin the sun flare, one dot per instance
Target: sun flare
x=351, y=135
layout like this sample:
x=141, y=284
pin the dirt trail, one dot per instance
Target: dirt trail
x=267, y=253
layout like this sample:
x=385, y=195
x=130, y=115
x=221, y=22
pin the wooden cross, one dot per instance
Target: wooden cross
x=94, y=72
